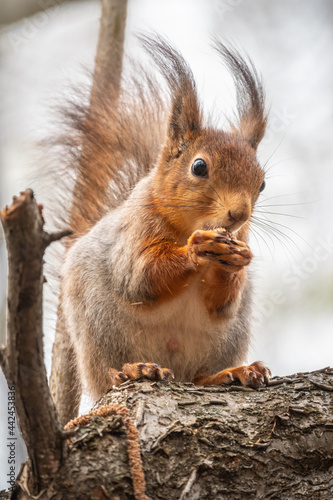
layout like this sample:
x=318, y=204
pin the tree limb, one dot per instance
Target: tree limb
x=109, y=55
x=23, y=360
x=133, y=445
x=225, y=443
x=3, y=359
x=111, y=42
x=221, y=442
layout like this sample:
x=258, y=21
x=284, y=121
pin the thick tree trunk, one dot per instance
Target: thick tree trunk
x=212, y=442
x=209, y=442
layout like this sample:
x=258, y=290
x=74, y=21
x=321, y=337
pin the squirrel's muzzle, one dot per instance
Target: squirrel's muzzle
x=238, y=211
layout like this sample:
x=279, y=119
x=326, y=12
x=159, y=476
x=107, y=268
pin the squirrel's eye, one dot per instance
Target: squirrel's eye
x=199, y=168
x=262, y=187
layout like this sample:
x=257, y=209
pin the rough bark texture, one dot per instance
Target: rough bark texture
x=109, y=53
x=216, y=442
x=209, y=442
x=22, y=359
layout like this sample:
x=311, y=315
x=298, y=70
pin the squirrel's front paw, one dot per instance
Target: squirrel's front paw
x=217, y=247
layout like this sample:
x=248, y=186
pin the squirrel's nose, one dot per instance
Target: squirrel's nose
x=237, y=216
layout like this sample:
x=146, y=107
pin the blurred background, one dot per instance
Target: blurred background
x=44, y=45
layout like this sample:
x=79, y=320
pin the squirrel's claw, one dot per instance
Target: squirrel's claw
x=218, y=248
x=135, y=371
x=255, y=375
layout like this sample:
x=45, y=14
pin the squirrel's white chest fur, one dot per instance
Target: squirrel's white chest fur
x=177, y=331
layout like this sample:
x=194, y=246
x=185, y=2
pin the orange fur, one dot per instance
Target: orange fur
x=135, y=371
x=221, y=289
x=168, y=269
x=254, y=375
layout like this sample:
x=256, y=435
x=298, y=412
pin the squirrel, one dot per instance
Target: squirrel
x=156, y=283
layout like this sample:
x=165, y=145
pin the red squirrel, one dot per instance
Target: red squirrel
x=156, y=283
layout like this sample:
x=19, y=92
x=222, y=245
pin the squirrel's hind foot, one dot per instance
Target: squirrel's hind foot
x=254, y=375
x=135, y=371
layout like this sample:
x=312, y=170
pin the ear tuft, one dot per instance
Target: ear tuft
x=252, y=117
x=185, y=117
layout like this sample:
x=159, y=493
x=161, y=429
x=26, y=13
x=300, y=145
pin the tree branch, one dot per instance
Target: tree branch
x=51, y=237
x=111, y=43
x=109, y=55
x=225, y=442
x=3, y=359
x=23, y=358
x=133, y=445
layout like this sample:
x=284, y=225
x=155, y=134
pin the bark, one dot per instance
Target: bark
x=224, y=443
x=109, y=53
x=22, y=359
x=229, y=443
x=111, y=41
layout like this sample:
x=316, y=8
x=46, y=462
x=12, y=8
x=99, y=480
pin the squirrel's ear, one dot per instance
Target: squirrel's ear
x=185, y=119
x=185, y=116
x=252, y=126
x=252, y=118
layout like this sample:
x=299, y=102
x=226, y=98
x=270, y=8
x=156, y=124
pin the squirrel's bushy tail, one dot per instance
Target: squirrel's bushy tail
x=113, y=142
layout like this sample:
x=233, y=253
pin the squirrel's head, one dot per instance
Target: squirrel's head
x=208, y=178
x=215, y=182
